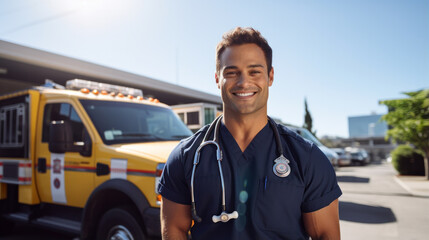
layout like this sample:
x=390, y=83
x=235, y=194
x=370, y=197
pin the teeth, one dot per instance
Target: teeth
x=244, y=94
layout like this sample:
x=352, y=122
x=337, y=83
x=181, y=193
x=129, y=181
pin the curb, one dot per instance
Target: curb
x=409, y=189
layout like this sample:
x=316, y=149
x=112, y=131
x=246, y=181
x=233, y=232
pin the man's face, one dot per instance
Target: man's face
x=243, y=80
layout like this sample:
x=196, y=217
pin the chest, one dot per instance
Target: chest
x=265, y=202
x=248, y=178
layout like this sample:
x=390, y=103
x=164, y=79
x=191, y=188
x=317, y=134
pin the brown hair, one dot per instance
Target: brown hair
x=240, y=36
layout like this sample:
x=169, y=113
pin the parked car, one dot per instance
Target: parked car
x=359, y=156
x=344, y=158
x=331, y=155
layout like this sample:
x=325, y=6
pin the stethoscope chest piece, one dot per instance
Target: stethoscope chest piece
x=281, y=167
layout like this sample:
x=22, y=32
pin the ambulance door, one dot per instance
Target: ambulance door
x=64, y=178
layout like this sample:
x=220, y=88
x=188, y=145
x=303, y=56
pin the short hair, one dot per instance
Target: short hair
x=239, y=36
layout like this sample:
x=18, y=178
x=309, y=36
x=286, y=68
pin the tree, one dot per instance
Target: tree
x=409, y=121
x=308, y=121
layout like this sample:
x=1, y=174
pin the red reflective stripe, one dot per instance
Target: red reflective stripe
x=20, y=164
x=76, y=167
x=24, y=179
x=25, y=164
x=141, y=171
x=112, y=169
x=79, y=167
x=72, y=168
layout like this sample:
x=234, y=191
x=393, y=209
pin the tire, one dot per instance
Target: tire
x=6, y=227
x=120, y=224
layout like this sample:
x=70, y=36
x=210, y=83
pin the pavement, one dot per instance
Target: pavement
x=415, y=185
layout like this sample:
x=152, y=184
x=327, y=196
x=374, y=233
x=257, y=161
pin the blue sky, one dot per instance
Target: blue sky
x=342, y=55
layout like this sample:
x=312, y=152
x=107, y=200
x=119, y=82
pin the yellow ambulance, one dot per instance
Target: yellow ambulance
x=85, y=158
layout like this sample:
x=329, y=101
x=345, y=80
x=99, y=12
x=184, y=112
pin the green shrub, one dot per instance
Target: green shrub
x=408, y=161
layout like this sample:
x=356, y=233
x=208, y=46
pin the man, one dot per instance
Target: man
x=293, y=200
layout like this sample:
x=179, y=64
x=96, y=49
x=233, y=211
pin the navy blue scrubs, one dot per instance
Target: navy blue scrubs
x=269, y=207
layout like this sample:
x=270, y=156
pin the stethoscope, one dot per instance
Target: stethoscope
x=281, y=168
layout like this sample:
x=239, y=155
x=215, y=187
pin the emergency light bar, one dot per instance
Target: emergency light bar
x=77, y=84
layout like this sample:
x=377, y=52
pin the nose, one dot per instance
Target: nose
x=243, y=80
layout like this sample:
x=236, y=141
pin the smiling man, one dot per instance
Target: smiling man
x=256, y=179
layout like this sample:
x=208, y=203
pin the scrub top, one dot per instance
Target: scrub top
x=269, y=207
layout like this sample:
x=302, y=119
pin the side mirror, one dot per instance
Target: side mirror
x=60, y=136
x=86, y=149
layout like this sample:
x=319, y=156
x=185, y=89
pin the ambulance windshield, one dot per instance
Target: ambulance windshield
x=124, y=122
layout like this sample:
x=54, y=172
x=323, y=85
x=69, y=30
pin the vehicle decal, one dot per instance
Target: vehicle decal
x=118, y=168
x=57, y=178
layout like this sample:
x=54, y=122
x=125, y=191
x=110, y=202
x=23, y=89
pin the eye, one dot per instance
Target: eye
x=231, y=74
x=254, y=72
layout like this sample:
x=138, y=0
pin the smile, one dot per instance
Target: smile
x=244, y=94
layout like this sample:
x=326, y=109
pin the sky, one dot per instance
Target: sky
x=343, y=56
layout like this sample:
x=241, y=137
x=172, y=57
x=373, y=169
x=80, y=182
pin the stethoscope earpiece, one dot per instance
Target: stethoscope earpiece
x=281, y=168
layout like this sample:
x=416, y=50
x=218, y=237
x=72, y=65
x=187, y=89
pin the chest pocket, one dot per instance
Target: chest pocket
x=278, y=204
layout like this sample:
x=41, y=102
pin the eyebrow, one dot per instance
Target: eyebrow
x=255, y=66
x=229, y=67
x=250, y=66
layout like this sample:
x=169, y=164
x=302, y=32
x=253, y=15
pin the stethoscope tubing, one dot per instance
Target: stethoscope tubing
x=204, y=143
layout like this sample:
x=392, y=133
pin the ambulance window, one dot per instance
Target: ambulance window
x=181, y=116
x=14, y=127
x=65, y=112
x=125, y=122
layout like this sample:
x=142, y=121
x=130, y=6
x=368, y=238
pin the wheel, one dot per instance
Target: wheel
x=119, y=224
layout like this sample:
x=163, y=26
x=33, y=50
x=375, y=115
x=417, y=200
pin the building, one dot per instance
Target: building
x=22, y=67
x=368, y=132
x=196, y=115
x=367, y=126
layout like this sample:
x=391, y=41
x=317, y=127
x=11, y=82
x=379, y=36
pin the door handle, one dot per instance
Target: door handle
x=41, y=165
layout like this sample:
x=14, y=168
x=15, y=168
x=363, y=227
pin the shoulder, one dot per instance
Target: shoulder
x=304, y=152
x=291, y=137
x=189, y=144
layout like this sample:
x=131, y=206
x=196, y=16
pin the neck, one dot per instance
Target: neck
x=244, y=128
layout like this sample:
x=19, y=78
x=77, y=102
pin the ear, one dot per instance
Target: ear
x=271, y=77
x=217, y=80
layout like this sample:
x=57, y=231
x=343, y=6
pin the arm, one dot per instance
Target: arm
x=175, y=220
x=323, y=223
